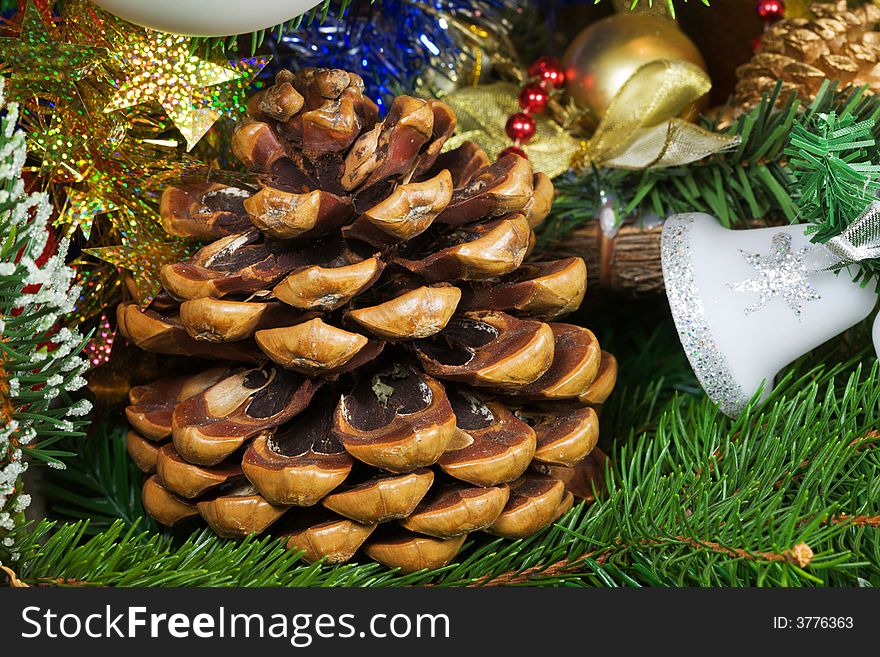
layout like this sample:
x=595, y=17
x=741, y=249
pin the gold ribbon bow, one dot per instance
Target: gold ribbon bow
x=639, y=130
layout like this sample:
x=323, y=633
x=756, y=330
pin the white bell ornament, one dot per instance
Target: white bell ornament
x=207, y=17
x=748, y=302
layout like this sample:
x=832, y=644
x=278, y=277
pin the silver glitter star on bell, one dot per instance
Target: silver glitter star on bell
x=780, y=274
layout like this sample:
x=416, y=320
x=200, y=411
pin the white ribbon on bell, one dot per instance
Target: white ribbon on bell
x=748, y=302
x=861, y=240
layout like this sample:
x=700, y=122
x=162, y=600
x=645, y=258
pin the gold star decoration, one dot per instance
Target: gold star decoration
x=40, y=65
x=67, y=136
x=143, y=252
x=58, y=152
x=82, y=208
x=162, y=68
x=230, y=98
x=99, y=283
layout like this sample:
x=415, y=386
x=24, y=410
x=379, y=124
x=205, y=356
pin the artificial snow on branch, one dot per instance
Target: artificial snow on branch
x=40, y=364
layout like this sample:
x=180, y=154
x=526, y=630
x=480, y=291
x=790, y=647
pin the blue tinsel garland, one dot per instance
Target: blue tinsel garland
x=395, y=45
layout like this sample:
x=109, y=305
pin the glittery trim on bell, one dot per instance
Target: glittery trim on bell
x=709, y=364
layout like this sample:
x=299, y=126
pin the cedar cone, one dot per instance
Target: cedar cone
x=383, y=355
x=838, y=44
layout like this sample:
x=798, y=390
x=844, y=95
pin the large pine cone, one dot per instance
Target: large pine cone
x=386, y=356
x=838, y=44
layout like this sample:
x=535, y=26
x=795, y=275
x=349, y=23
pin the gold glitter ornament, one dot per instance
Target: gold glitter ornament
x=161, y=68
x=61, y=151
x=99, y=283
x=105, y=170
x=143, y=252
x=39, y=65
x=68, y=136
x=230, y=98
x=82, y=208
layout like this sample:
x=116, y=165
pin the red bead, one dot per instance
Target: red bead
x=771, y=10
x=533, y=98
x=520, y=126
x=548, y=70
x=515, y=150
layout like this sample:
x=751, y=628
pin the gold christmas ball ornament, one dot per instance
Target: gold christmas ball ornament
x=604, y=56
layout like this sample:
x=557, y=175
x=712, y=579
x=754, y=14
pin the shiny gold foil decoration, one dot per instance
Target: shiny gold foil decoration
x=109, y=110
x=161, y=68
x=99, y=283
x=143, y=252
x=39, y=63
x=607, y=53
x=837, y=43
x=62, y=150
x=82, y=208
x=230, y=98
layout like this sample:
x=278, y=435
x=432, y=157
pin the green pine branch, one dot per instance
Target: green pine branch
x=694, y=500
x=752, y=181
x=102, y=485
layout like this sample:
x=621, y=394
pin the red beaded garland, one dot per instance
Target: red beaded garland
x=515, y=150
x=533, y=98
x=549, y=70
x=546, y=73
x=771, y=10
x=520, y=126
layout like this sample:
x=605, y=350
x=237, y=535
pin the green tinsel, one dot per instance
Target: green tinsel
x=830, y=157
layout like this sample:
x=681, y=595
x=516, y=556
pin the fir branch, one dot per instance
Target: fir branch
x=102, y=485
x=40, y=364
x=698, y=500
x=751, y=182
